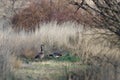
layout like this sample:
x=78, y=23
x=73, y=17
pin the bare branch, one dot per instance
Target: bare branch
x=106, y=14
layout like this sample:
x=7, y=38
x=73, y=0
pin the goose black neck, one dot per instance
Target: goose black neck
x=41, y=48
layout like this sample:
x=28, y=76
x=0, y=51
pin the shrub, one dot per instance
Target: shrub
x=40, y=11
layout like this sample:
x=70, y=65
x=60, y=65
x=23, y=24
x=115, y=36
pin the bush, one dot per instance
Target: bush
x=40, y=11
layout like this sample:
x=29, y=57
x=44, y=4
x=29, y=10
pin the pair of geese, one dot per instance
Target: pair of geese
x=41, y=54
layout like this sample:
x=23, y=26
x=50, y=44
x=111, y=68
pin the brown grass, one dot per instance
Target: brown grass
x=29, y=53
x=15, y=62
x=95, y=47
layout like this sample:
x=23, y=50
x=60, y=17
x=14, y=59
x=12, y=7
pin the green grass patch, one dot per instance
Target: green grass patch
x=68, y=57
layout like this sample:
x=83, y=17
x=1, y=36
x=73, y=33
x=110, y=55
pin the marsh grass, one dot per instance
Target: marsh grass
x=98, y=49
x=14, y=45
x=94, y=47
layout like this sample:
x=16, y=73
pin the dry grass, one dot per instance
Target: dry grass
x=67, y=35
x=98, y=48
x=89, y=43
x=5, y=56
x=15, y=62
x=100, y=41
x=49, y=34
x=47, y=70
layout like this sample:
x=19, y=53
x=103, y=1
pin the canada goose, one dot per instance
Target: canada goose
x=40, y=54
x=56, y=54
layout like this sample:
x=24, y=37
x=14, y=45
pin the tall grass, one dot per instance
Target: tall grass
x=99, y=49
x=28, y=44
x=93, y=45
x=5, y=57
x=50, y=34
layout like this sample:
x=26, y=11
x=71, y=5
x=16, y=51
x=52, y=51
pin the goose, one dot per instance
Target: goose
x=56, y=54
x=40, y=54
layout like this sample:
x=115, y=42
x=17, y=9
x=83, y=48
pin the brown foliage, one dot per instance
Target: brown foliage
x=45, y=11
x=29, y=17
